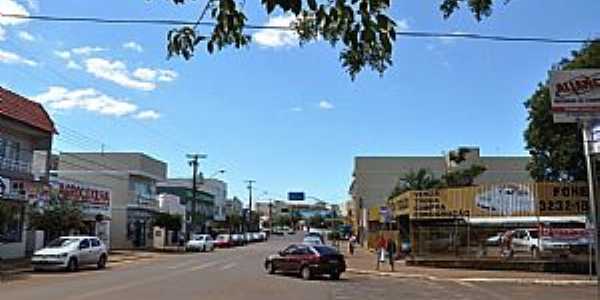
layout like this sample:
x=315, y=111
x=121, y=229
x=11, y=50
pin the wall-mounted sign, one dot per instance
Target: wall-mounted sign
x=575, y=95
x=94, y=200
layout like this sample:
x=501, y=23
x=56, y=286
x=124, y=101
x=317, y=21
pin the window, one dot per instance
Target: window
x=11, y=222
x=95, y=243
x=84, y=244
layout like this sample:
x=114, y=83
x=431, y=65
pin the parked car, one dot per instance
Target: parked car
x=528, y=240
x=494, y=240
x=307, y=261
x=70, y=253
x=223, y=241
x=317, y=235
x=312, y=240
x=200, y=242
x=238, y=240
x=257, y=237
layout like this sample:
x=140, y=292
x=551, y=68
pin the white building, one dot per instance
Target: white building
x=171, y=204
x=217, y=188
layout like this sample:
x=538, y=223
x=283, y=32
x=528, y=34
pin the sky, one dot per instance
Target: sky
x=286, y=116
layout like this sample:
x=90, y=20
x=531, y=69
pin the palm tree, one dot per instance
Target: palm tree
x=422, y=179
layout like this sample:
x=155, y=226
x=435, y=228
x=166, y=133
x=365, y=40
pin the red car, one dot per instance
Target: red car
x=307, y=261
x=223, y=241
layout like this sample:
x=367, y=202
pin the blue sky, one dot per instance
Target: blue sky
x=286, y=116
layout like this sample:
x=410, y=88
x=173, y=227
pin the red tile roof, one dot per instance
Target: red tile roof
x=21, y=109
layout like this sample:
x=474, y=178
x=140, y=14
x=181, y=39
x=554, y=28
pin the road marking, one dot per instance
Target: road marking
x=228, y=266
x=177, y=266
x=204, y=266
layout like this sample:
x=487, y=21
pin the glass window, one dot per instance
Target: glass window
x=11, y=222
x=95, y=243
x=61, y=242
x=84, y=244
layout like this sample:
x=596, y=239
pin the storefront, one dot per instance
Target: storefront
x=94, y=201
x=14, y=195
x=462, y=221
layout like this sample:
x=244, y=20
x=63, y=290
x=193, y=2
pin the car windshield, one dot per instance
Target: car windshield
x=198, y=238
x=62, y=242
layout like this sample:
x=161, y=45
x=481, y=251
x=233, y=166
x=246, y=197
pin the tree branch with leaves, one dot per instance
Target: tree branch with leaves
x=364, y=28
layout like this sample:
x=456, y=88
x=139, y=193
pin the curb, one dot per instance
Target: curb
x=522, y=281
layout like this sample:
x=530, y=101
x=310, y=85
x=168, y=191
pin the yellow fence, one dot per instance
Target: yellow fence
x=500, y=200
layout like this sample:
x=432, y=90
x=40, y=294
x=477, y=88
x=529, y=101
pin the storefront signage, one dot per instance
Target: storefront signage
x=496, y=200
x=94, y=200
x=575, y=95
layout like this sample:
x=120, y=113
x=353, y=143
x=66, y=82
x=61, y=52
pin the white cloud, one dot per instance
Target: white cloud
x=11, y=7
x=147, y=115
x=73, y=65
x=33, y=5
x=63, y=54
x=116, y=71
x=297, y=109
x=133, y=46
x=277, y=38
x=26, y=36
x=13, y=58
x=402, y=25
x=148, y=74
x=324, y=104
x=60, y=98
x=87, y=50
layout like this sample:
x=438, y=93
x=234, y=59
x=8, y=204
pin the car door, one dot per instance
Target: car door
x=297, y=258
x=518, y=241
x=85, y=252
x=96, y=250
x=283, y=261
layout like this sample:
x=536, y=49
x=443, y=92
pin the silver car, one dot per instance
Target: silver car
x=71, y=252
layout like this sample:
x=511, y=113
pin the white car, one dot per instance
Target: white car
x=200, y=242
x=312, y=240
x=527, y=240
x=70, y=253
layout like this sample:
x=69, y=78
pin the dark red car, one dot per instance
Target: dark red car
x=308, y=261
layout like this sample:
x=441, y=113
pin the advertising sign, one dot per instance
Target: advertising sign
x=296, y=196
x=575, y=95
x=93, y=200
x=495, y=200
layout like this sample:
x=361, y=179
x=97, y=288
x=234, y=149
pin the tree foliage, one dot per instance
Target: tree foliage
x=556, y=148
x=463, y=177
x=421, y=179
x=364, y=27
x=168, y=221
x=57, y=218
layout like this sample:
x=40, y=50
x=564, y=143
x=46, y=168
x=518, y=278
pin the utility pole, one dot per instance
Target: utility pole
x=250, y=182
x=193, y=162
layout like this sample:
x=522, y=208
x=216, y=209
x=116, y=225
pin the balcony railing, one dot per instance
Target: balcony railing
x=20, y=166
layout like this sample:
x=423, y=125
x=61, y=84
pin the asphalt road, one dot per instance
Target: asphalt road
x=238, y=274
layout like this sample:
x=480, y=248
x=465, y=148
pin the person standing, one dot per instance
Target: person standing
x=380, y=253
x=391, y=252
x=351, y=242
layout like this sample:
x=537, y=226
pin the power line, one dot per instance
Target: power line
x=414, y=34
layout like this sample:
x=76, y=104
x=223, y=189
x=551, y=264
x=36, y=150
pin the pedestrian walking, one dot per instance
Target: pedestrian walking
x=391, y=252
x=351, y=242
x=380, y=250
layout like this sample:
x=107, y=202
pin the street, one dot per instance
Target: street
x=238, y=273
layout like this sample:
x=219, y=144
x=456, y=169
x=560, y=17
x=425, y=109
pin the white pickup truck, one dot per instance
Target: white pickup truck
x=528, y=240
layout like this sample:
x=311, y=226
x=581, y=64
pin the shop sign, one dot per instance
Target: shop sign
x=94, y=200
x=575, y=95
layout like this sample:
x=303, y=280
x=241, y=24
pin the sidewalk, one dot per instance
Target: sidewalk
x=364, y=262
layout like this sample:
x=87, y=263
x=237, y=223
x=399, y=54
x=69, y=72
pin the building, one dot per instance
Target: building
x=218, y=189
x=172, y=205
x=132, y=178
x=26, y=133
x=374, y=177
x=93, y=200
x=233, y=206
x=183, y=188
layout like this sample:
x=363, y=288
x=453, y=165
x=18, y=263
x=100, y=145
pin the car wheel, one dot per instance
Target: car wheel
x=270, y=268
x=334, y=275
x=102, y=262
x=306, y=273
x=72, y=266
